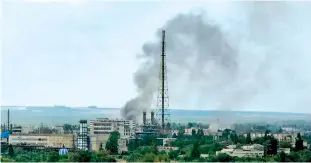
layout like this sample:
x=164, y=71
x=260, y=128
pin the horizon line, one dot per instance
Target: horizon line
x=94, y=106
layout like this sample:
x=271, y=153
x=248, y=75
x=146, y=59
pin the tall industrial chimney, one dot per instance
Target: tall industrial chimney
x=152, y=118
x=144, y=118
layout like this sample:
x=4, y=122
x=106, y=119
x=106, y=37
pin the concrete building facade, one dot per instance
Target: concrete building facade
x=43, y=140
x=106, y=126
x=97, y=139
x=101, y=128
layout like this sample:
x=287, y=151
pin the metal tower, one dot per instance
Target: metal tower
x=163, y=113
x=9, y=120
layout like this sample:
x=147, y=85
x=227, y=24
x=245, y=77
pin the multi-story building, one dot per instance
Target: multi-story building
x=101, y=128
x=83, y=136
x=60, y=140
x=106, y=126
x=33, y=140
x=46, y=140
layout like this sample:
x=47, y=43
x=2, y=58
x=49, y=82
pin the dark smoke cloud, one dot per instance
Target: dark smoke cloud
x=188, y=37
x=232, y=68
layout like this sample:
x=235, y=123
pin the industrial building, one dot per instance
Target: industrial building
x=101, y=128
x=106, y=126
x=97, y=139
x=83, y=136
x=149, y=126
x=45, y=140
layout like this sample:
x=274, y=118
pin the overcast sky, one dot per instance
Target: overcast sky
x=81, y=53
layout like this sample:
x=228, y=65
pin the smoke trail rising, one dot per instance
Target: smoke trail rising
x=237, y=67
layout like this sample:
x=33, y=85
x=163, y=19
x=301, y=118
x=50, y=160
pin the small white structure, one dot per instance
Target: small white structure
x=285, y=150
x=204, y=155
x=255, y=150
x=231, y=146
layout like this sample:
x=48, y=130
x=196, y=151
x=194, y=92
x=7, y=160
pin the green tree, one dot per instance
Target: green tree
x=102, y=156
x=259, y=140
x=100, y=147
x=195, y=153
x=234, y=137
x=294, y=157
x=131, y=146
x=248, y=138
x=11, y=151
x=200, y=133
x=174, y=135
x=22, y=158
x=112, y=143
x=226, y=133
x=154, y=147
x=73, y=157
x=53, y=157
x=84, y=156
x=299, y=143
x=68, y=128
x=150, y=157
x=193, y=132
x=241, y=139
x=266, y=137
x=271, y=146
x=274, y=146
x=282, y=157
x=190, y=124
x=284, y=144
x=181, y=133
x=172, y=154
x=222, y=157
x=62, y=158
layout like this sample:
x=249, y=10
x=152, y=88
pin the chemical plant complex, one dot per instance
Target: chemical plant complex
x=90, y=134
x=94, y=134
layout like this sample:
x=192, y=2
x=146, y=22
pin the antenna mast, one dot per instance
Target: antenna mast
x=163, y=99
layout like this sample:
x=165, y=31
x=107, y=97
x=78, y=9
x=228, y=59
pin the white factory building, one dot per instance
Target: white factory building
x=106, y=126
x=101, y=128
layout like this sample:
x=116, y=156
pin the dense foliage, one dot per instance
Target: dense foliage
x=53, y=156
x=112, y=143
